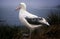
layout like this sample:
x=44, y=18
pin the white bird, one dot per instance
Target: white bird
x=29, y=20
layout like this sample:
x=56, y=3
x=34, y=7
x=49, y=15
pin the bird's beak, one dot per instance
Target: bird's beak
x=18, y=8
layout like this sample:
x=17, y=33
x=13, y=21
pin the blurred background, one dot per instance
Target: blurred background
x=11, y=28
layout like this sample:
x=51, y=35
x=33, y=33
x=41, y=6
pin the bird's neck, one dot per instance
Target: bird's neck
x=22, y=11
x=24, y=8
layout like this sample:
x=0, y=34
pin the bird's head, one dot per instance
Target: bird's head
x=21, y=6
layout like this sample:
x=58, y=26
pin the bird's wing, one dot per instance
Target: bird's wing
x=34, y=21
x=29, y=15
x=37, y=21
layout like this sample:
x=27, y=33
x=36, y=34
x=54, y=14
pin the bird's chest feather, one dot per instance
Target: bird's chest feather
x=21, y=17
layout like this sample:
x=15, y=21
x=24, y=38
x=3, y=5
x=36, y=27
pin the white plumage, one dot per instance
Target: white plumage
x=25, y=14
x=28, y=19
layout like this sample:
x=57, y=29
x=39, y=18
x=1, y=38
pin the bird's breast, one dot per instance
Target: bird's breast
x=22, y=19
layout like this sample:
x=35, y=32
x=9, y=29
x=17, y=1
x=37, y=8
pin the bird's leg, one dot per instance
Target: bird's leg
x=30, y=33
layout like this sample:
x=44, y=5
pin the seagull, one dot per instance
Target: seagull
x=31, y=21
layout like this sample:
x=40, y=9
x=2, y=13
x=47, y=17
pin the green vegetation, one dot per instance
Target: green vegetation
x=8, y=32
x=54, y=17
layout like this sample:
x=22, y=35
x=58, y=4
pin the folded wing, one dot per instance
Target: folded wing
x=36, y=21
